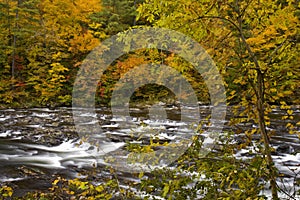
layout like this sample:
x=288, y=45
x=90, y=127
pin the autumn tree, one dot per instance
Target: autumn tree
x=255, y=44
x=5, y=46
x=44, y=44
x=116, y=16
x=18, y=23
x=63, y=42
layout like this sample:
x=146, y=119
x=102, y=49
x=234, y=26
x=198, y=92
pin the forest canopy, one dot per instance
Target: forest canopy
x=43, y=44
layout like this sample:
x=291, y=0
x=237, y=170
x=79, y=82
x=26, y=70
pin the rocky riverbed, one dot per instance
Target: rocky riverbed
x=38, y=144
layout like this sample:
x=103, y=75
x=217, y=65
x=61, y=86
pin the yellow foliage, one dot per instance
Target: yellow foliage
x=82, y=43
x=6, y=191
x=63, y=20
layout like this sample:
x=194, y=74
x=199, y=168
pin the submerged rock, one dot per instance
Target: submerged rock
x=285, y=148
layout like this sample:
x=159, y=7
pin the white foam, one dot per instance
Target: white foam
x=34, y=126
x=41, y=115
x=50, y=161
x=6, y=133
x=4, y=118
x=65, y=154
x=10, y=179
x=110, y=126
x=166, y=136
x=94, y=115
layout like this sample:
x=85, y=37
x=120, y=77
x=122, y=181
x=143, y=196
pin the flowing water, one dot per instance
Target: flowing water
x=38, y=144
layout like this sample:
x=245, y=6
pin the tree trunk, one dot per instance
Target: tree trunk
x=260, y=108
x=262, y=127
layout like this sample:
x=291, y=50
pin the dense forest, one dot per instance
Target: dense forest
x=43, y=43
x=255, y=45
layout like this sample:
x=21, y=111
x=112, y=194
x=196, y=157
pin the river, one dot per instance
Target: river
x=38, y=144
